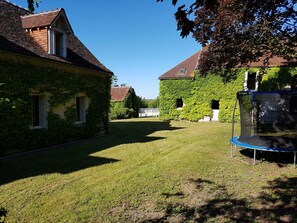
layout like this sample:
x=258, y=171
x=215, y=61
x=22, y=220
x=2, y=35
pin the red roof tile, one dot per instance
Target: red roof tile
x=189, y=64
x=14, y=38
x=39, y=20
x=119, y=93
x=273, y=62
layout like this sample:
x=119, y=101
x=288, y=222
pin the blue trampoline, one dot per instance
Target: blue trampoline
x=268, y=122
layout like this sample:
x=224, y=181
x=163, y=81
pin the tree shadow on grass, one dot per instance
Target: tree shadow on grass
x=77, y=156
x=277, y=203
x=279, y=200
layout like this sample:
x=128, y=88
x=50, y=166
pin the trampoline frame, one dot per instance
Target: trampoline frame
x=235, y=142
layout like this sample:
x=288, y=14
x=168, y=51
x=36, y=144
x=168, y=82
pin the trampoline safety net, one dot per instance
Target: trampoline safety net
x=268, y=118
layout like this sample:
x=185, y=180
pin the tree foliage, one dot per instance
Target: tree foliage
x=32, y=4
x=237, y=32
x=152, y=103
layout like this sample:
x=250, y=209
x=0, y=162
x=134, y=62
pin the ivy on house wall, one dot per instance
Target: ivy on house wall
x=197, y=94
x=278, y=78
x=170, y=91
x=20, y=81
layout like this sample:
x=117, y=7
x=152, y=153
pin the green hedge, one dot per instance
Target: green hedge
x=17, y=83
x=197, y=94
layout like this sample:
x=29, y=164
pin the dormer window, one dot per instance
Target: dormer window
x=182, y=71
x=50, y=30
x=58, y=36
x=57, y=43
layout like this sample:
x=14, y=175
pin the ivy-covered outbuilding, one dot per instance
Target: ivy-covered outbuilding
x=124, y=103
x=184, y=94
x=52, y=89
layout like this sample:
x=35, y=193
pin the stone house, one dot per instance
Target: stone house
x=186, y=95
x=52, y=88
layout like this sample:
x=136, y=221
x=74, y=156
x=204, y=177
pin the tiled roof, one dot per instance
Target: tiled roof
x=189, y=64
x=39, y=20
x=273, y=62
x=119, y=93
x=14, y=38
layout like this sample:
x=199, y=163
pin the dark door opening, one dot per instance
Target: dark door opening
x=215, y=104
x=179, y=103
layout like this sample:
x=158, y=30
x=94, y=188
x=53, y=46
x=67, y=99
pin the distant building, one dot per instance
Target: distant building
x=124, y=103
x=149, y=112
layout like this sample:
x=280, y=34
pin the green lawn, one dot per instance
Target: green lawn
x=146, y=170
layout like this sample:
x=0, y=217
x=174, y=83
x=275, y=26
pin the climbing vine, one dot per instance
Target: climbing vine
x=197, y=94
x=170, y=91
x=20, y=81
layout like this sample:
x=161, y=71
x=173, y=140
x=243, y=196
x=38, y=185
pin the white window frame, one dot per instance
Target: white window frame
x=245, y=85
x=42, y=112
x=52, y=42
x=83, y=106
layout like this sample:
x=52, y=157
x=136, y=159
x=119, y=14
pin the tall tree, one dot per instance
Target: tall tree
x=32, y=4
x=237, y=32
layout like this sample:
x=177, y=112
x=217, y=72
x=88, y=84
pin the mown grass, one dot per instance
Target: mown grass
x=146, y=170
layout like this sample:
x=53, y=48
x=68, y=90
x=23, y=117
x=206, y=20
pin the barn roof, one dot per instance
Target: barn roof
x=119, y=93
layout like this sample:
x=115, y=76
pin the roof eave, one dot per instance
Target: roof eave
x=62, y=11
x=176, y=78
x=47, y=62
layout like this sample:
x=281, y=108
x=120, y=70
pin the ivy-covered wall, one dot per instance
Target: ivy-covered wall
x=170, y=91
x=17, y=84
x=197, y=94
x=129, y=108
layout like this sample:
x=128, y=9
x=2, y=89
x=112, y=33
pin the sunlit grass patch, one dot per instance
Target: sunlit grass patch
x=146, y=170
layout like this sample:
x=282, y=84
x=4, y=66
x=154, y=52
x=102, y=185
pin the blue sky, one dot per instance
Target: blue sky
x=136, y=39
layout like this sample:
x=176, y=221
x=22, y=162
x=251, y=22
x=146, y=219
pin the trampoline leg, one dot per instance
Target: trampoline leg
x=231, y=146
x=254, y=157
x=295, y=159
